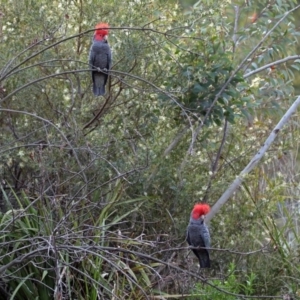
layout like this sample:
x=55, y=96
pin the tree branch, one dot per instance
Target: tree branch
x=254, y=161
x=277, y=62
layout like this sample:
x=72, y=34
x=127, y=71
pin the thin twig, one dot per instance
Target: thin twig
x=272, y=64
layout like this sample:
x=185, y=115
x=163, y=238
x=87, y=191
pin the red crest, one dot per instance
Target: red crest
x=102, y=29
x=200, y=209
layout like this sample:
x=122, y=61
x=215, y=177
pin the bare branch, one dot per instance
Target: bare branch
x=254, y=161
x=235, y=29
x=277, y=62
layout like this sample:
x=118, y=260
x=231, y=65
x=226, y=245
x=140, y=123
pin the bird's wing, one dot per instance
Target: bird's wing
x=188, y=238
x=109, y=59
x=205, y=236
x=91, y=58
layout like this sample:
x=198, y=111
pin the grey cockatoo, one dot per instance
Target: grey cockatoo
x=100, y=58
x=198, y=234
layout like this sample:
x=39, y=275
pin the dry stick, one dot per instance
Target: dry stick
x=272, y=64
x=235, y=29
x=254, y=161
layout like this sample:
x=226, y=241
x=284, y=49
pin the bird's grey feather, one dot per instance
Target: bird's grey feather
x=100, y=58
x=198, y=236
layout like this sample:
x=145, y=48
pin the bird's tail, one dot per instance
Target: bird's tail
x=204, y=261
x=98, y=91
x=98, y=84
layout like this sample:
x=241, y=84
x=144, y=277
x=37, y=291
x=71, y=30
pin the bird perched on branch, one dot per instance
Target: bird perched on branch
x=100, y=58
x=198, y=234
